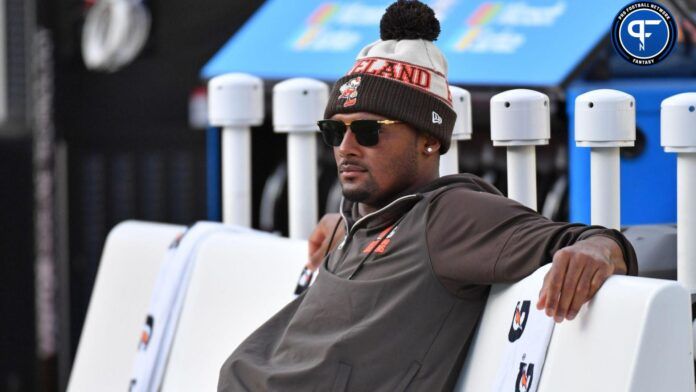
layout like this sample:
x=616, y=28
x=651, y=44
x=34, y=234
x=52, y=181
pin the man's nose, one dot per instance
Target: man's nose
x=349, y=145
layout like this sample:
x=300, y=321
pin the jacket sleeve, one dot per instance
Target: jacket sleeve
x=483, y=238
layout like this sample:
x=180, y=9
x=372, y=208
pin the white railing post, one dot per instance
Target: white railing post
x=605, y=120
x=298, y=104
x=236, y=104
x=520, y=120
x=678, y=134
x=461, y=103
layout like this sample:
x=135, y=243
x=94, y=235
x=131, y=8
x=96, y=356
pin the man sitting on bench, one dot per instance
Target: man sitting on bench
x=405, y=269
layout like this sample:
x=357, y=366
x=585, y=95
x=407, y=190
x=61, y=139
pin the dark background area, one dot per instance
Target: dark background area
x=131, y=152
x=17, y=347
x=131, y=155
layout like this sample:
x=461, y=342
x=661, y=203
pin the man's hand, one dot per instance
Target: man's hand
x=320, y=237
x=576, y=274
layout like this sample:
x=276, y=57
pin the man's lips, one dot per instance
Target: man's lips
x=350, y=168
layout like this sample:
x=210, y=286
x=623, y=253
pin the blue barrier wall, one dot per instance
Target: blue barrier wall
x=648, y=179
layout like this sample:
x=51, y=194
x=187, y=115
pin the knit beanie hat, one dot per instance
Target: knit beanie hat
x=402, y=76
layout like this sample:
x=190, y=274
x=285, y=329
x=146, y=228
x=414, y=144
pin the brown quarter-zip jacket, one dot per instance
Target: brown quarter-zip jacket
x=395, y=305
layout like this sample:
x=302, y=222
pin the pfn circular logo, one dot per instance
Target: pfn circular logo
x=644, y=33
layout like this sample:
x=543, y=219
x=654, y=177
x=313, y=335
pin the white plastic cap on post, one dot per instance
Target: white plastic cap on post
x=678, y=135
x=605, y=118
x=678, y=123
x=461, y=103
x=520, y=118
x=235, y=99
x=298, y=104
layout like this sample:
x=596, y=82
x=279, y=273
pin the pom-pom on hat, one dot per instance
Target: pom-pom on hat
x=402, y=76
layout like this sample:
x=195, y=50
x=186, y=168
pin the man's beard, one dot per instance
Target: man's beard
x=360, y=195
x=371, y=194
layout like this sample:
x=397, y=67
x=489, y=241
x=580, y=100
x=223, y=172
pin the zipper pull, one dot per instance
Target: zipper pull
x=345, y=238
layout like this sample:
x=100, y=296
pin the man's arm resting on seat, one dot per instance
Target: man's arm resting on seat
x=320, y=241
x=577, y=272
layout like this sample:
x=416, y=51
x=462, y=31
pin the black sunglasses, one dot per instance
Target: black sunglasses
x=366, y=131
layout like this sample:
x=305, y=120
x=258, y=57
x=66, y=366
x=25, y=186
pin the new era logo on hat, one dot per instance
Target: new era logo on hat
x=436, y=118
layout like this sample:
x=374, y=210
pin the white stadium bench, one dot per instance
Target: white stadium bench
x=131, y=259
x=635, y=335
x=239, y=282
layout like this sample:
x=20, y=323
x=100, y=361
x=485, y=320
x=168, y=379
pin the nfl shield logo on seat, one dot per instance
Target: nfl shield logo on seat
x=524, y=377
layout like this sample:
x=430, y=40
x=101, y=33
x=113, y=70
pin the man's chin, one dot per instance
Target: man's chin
x=356, y=195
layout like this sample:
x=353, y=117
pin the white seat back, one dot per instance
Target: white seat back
x=634, y=335
x=129, y=266
x=239, y=281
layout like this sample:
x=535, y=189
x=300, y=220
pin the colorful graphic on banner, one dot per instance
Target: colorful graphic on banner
x=481, y=17
x=336, y=27
x=498, y=27
x=315, y=23
x=499, y=42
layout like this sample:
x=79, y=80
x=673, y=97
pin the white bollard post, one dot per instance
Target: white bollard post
x=520, y=120
x=461, y=103
x=605, y=120
x=678, y=134
x=297, y=106
x=236, y=104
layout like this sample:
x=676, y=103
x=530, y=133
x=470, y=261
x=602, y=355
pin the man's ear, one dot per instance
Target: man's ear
x=431, y=145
